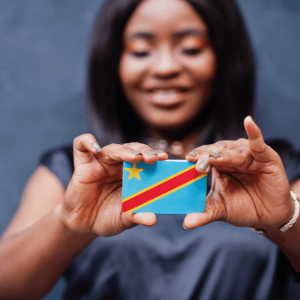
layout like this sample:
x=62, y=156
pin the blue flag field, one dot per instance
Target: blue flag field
x=166, y=187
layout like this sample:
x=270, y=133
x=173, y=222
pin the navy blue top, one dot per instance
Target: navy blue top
x=215, y=261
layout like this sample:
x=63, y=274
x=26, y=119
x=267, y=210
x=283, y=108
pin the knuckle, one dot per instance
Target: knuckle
x=201, y=149
x=223, y=144
x=242, y=140
x=263, y=148
x=79, y=138
x=145, y=148
x=126, y=147
x=226, y=153
x=132, y=144
x=241, y=150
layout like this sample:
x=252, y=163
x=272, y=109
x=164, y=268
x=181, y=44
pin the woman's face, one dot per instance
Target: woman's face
x=167, y=65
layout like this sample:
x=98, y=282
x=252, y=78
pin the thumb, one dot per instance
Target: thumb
x=132, y=219
x=257, y=145
x=211, y=213
x=196, y=219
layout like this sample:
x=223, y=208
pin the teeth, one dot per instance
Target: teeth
x=165, y=96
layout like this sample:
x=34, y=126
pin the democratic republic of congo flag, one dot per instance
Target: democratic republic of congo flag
x=166, y=187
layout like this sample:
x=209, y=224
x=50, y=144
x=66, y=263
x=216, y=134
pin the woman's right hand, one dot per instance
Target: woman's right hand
x=92, y=201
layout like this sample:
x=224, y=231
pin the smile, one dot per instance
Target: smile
x=166, y=97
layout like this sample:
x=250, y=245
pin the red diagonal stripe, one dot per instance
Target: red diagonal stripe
x=160, y=189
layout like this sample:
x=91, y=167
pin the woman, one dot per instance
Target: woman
x=165, y=72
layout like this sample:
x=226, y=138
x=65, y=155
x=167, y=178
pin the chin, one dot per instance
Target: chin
x=163, y=125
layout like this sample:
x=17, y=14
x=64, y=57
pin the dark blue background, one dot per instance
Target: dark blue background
x=43, y=54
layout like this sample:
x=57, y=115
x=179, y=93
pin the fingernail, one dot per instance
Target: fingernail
x=216, y=155
x=134, y=152
x=96, y=147
x=203, y=164
x=150, y=152
x=159, y=151
x=193, y=153
x=185, y=227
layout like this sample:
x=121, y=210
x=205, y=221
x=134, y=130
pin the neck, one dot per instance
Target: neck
x=184, y=134
x=180, y=141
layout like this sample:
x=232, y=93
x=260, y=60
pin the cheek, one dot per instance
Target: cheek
x=131, y=71
x=205, y=67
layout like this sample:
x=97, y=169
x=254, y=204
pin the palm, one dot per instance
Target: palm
x=100, y=185
x=109, y=218
x=249, y=187
x=93, y=197
x=245, y=199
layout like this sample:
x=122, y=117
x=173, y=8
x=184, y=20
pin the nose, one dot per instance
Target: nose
x=166, y=66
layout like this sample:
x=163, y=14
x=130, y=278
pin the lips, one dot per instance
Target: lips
x=166, y=97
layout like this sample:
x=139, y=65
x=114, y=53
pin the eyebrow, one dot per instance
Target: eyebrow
x=189, y=32
x=179, y=34
x=141, y=35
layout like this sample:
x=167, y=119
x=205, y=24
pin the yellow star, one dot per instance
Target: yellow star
x=134, y=172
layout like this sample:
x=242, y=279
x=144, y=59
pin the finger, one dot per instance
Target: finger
x=214, y=210
x=132, y=219
x=238, y=159
x=85, y=147
x=161, y=155
x=225, y=153
x=133, y=153
x=260, y=150
x=214, y=148
x=116, y=153
x=150, y=156
x=196, y=219
x=203, y=166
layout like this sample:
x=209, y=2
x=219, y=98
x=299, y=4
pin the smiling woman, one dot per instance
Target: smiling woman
x=168, y=66
x=177, y=72
x=181, y=59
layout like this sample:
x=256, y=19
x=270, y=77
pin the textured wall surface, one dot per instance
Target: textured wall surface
x=43, y=51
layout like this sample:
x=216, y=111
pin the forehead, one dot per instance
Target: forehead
x=164, y=15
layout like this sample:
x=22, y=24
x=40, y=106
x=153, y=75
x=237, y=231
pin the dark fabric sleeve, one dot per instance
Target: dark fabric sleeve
x=60, y=162
x=290, y=158
x=293, y=167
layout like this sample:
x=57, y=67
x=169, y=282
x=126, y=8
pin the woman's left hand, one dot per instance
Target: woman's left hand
x=249, y=183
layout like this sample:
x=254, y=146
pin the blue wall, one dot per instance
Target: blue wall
x=43, y=46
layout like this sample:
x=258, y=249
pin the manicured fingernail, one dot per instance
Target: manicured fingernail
x=193, y=153
x=134, y=152
x=159, y=151
x=150, y=152
x=203, y=164
x=185, y=227
x=96, y=147
x=216, y=155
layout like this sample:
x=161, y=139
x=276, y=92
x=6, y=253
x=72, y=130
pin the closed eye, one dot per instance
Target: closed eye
x=140, y=54
x=191, y=51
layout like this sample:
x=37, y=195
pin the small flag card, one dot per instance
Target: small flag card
x=166, y=187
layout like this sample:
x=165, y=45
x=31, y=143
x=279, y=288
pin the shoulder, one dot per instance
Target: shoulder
x=64, y=152
x=283, y=148
x=60, y=162
x=289, y=156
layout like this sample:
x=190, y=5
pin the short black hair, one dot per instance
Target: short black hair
x=112, y=119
